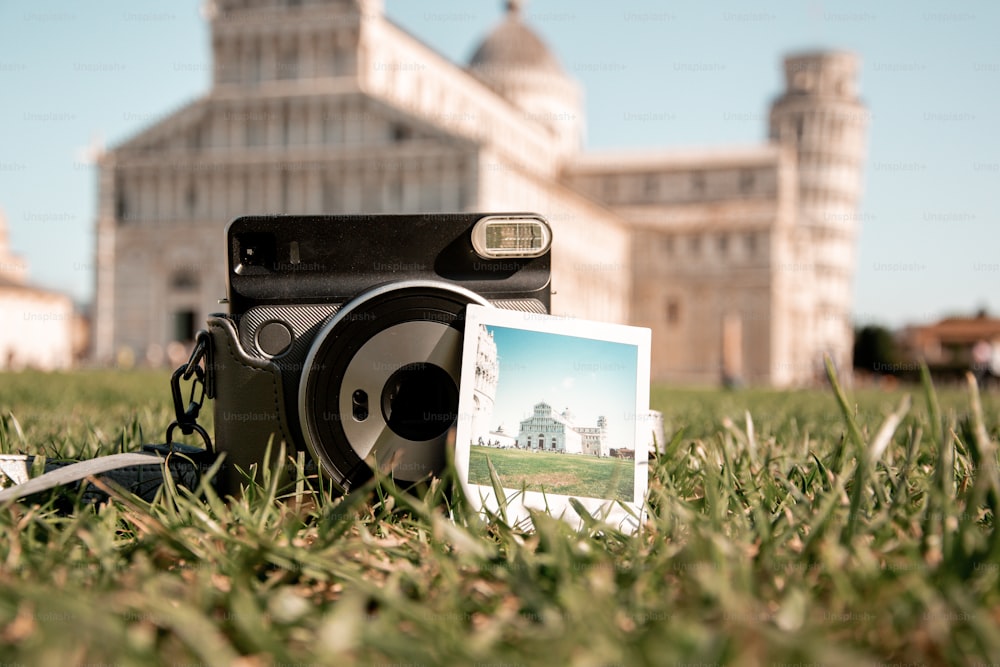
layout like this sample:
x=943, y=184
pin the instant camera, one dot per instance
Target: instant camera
x=344, y=334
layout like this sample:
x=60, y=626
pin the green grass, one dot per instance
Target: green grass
x=82, y=414
x=563, y=474
x=792, y=539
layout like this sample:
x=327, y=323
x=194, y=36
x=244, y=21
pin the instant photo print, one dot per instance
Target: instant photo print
x=560, y=409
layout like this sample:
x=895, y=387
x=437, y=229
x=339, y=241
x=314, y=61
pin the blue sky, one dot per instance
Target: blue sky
x=590, y=377
x=74, y=75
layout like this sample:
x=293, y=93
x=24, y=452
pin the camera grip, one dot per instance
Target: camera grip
x=249, y=409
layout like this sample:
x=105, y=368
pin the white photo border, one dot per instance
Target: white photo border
x=625, y=515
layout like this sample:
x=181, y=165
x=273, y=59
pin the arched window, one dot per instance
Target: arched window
x=184, y=325
x=698, y=183
x=804, y=81
x=288, y=61
x=694, y=244
x=121, y=207
x=330, y=195
x=400, y=133
x=184, y=280
x=191, y=199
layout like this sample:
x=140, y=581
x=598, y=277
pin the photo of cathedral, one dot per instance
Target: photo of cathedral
x=740, y=261
x=550, y=431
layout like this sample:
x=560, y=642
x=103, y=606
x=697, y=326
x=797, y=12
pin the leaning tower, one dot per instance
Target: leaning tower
x=821, y=116
x=485, y=387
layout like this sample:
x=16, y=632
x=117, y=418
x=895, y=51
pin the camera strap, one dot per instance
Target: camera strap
x=139, y=472
x=199, y=369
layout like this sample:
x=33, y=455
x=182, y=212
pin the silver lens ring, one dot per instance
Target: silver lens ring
x=398, y=344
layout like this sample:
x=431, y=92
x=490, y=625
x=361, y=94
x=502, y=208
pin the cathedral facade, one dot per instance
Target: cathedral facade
x=549, y=431
x=740, y=261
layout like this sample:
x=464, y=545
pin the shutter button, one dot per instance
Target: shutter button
x=274, y=338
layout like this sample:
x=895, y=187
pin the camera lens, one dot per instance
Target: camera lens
x=383, y=382
x=420, y=401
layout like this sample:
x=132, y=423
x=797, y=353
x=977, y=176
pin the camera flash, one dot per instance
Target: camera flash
x=293, y=253
x=498, y=236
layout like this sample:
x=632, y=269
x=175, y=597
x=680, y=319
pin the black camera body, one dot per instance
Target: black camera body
x=344, y=333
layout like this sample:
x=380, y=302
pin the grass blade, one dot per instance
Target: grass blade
x=498, y=490
x=887, y=430
x=861, y=468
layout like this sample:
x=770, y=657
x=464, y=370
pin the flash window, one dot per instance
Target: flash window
x=496, y=237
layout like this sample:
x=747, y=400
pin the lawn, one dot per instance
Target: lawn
x=804, y=534
x=563, y=474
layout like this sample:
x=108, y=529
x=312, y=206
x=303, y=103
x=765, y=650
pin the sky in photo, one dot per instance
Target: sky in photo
x=590, y=377
x=656, y=74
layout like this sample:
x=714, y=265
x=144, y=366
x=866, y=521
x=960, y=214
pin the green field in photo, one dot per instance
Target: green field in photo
x=563, y=474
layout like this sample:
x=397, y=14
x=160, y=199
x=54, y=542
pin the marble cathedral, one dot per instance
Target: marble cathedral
x=741, y=261
x=549, y=431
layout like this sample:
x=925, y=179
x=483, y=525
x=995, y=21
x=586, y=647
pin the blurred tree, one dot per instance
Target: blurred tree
x=875, y=350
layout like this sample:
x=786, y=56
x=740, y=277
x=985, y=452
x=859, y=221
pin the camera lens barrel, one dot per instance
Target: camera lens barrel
x=380, y=383
x=419, y=401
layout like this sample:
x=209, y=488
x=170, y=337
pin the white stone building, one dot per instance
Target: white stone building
x=37, y=326
x=740, y=261
x=551, y=431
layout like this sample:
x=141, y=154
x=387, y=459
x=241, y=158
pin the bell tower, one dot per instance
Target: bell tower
x=822, y=118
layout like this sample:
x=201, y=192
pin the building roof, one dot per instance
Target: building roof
x=14, y=269
x=7, y=282
x=959, y=330
x=668, y=159
x=21, y=289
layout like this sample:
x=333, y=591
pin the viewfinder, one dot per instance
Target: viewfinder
x=255, y=249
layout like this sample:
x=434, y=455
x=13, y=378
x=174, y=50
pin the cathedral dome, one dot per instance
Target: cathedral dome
x=513, y=47
x=517, y=65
